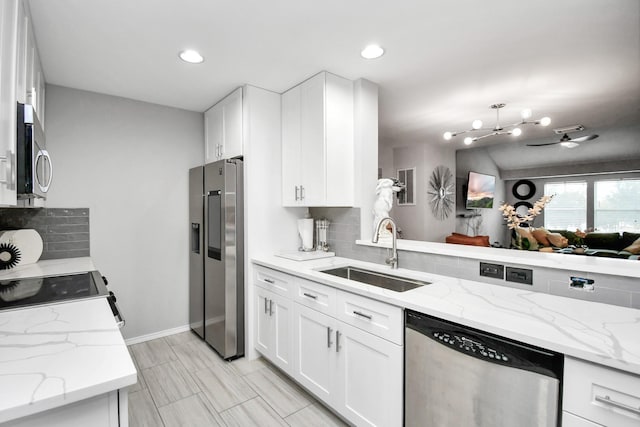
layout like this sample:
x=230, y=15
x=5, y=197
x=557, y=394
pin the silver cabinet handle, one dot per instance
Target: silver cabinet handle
x=269, y=281
x=270, y=307
x=337, y=341
x=301, y=192
x=328, y=337
x=265, y=305
x=366, y=316
x=607, y=401
x=297, y=198
x=310, y=295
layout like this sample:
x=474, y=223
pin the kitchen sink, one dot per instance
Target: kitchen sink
x=374, y=278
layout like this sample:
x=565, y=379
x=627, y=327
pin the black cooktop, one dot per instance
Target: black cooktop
x=46, y=290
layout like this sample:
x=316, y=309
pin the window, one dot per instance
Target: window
x=408, y=195
x=617, y=205
x=568, y=209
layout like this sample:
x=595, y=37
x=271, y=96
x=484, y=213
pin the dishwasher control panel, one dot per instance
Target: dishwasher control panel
x=467, y=344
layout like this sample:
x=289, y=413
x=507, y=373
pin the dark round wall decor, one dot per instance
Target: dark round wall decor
x=522, y=208
x=523, y=189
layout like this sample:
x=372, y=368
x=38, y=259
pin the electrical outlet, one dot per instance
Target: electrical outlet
x=495, y=271
x=519, y=275
x=582, y=284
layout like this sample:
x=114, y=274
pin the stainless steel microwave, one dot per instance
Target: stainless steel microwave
x=34, y=167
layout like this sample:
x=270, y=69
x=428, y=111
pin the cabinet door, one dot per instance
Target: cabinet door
x=213, y=133
x=314, y=353
x=339, y=141
x=263, y=323
x=23, y=44
x=282, y=333
x=570, y=420
x=312, y=139
x=8, y=55
x=232, y=124
x=291, y=147
x=370, y=371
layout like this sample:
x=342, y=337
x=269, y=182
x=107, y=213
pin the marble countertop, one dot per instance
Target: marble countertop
x=600, y=333
x=589, y=264
x=57, y=354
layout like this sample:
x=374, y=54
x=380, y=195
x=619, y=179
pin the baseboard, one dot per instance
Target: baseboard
x=155, y=335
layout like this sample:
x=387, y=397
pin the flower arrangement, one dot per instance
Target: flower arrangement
x=514, y=219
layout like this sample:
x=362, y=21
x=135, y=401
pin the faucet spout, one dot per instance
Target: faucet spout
x=393, y=259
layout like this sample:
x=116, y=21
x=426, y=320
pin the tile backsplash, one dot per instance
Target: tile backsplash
x=344, y=230
x=64, y=232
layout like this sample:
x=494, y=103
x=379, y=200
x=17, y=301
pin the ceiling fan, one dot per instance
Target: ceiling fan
x=566, y=141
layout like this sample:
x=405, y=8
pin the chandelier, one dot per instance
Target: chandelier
x=512, y=129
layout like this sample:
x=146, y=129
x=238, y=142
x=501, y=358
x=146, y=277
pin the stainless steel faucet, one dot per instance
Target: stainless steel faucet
x=393, y=259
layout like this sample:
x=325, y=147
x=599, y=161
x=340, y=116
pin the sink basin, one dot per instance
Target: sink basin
x=374, y=278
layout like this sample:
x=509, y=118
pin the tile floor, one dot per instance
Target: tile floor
x=183, y=382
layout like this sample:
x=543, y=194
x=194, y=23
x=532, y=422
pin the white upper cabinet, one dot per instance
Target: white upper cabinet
x=223, y=128
x=30, y=81
x=318, y=142
x=9, y=12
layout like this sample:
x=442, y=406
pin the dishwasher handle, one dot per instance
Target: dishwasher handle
x=117, y=314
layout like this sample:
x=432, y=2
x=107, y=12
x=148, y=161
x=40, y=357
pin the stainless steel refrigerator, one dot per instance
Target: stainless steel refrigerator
x=216, y=258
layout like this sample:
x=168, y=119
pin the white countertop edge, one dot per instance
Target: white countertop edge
x=307, y=270
x=67, y=399
x=590, y=264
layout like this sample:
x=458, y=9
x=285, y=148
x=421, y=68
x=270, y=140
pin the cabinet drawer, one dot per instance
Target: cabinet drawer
x=274, y=281
x=600, y=394
x=570, y=420
x=317, y=296
x=373, y=316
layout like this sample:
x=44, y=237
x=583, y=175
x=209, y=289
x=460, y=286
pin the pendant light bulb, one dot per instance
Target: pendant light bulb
x=468, y=140
x=516, y=132
x=477, y=124
x=447, y=136
x=545, y=121
x=526, y=113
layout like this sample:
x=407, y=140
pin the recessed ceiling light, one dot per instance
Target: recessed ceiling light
x=191, y=56
x=372, y=51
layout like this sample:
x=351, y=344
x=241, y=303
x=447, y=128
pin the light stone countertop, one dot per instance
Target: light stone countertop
x=596, y=332
x=589, y=264
x=57, y=354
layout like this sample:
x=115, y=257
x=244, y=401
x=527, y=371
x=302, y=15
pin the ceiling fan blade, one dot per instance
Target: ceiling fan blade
x=584, y=138
x=542, y=145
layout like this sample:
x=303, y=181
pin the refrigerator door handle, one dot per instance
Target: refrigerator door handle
x=265, y=305
x=270, y=307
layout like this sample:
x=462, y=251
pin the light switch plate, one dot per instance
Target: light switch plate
x=519, y=275
x=495, y=271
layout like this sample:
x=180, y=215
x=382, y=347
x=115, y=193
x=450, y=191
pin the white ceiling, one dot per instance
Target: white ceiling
x=577, y=61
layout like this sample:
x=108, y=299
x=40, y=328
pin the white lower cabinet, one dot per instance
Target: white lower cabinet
x=351, y=362
x=597, y=395
x=356, y=373
x=273, y=328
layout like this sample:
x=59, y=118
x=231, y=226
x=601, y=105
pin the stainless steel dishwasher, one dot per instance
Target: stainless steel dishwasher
x=462, y=377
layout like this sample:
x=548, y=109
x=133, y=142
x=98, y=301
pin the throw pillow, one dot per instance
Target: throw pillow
x=525, y=233
x=540, y=234
x=557, y=240
x=634, y=248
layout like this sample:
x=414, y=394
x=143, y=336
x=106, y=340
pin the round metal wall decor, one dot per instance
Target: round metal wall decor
x=441, y=192
x=523, y=189
x=522, y=208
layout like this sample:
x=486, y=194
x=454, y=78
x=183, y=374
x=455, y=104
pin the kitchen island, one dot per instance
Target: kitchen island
x=599, y=341
x=62, y=360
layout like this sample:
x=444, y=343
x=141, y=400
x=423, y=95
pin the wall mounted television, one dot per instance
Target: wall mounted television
x=481, y=190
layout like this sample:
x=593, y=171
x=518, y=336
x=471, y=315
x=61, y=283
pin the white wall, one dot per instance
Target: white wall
x=128, y=162
x=492, y=223
x=418, y=222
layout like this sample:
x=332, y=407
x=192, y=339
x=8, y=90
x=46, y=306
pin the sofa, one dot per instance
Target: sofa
x=463, y=239
x=623, y=245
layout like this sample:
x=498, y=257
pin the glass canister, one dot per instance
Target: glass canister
x=322, y=227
